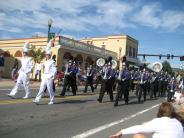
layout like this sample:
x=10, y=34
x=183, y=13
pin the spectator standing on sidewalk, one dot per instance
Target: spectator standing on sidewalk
x=14, y=69
x=1, y=65
x=38, y=71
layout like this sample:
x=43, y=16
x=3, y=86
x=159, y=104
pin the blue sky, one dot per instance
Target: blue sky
x=158, y=25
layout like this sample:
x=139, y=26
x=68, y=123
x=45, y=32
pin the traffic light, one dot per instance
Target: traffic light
x=182, y=58
x=144, y=56
x=160, y=56
x=168, y=56
x=172, y=56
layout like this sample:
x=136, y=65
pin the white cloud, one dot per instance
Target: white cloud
x=15, y=30
x=154, y=16
x=42, y=34
x=73, y=15
x=148, y=15
x=172, y=20
x=115, y=13
x=21, y=5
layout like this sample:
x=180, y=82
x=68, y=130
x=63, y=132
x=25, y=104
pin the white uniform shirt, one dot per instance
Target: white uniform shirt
x=163, y=127
x=26, y=65
x=39, y=67
x=50, y=69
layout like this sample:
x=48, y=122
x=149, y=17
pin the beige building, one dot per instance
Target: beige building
x=121, y=44
x=64, y=48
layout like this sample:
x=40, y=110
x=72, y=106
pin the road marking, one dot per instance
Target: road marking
x=100, y=128
x=30, y=100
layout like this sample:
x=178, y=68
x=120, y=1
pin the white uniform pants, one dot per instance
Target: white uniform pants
x=22, y=78
x=49, y=84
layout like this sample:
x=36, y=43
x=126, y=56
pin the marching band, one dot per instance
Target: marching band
x=152, y=81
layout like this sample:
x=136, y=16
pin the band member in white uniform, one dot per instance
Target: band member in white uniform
x=48, y=76
x=26, y=68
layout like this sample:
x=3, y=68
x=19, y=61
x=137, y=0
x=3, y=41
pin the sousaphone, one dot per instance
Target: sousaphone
x=100, y=62
x=156, y=66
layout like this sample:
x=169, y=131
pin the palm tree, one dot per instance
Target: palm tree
x=37, y=54
x=167, y=67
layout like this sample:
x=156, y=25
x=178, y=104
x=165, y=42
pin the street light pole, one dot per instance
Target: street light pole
x=120, y=48
x=104, y=50
x=49, y=26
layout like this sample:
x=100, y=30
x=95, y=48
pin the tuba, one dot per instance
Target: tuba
x=100, y=62
x=156, y=66
x=114, y=64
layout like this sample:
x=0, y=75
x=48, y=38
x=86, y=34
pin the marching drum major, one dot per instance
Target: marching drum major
x=26, y=68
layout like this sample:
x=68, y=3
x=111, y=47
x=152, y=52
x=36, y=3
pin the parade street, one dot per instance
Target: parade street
x=70, y=117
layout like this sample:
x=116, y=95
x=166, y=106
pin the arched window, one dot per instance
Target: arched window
x=67, y=56
x=18, y=54
x=79, y=59
x=88, y=61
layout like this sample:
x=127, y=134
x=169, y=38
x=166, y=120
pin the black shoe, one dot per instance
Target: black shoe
x=100, y=101
x=116, y=104
x=62, y=95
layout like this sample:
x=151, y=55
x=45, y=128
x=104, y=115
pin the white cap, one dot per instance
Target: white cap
x=70, y=61
x=48, y=47
x=26, y=47
x=109, y=64
x=123, y=64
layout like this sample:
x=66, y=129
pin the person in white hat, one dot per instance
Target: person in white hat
x=26, y=67
x=48, y=75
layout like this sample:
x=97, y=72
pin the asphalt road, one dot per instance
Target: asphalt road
x=70, y=117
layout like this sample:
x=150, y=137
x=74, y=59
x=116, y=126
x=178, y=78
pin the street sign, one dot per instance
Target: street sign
x=182, y=58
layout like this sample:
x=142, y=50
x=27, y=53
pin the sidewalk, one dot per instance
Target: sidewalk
x=8, y=83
